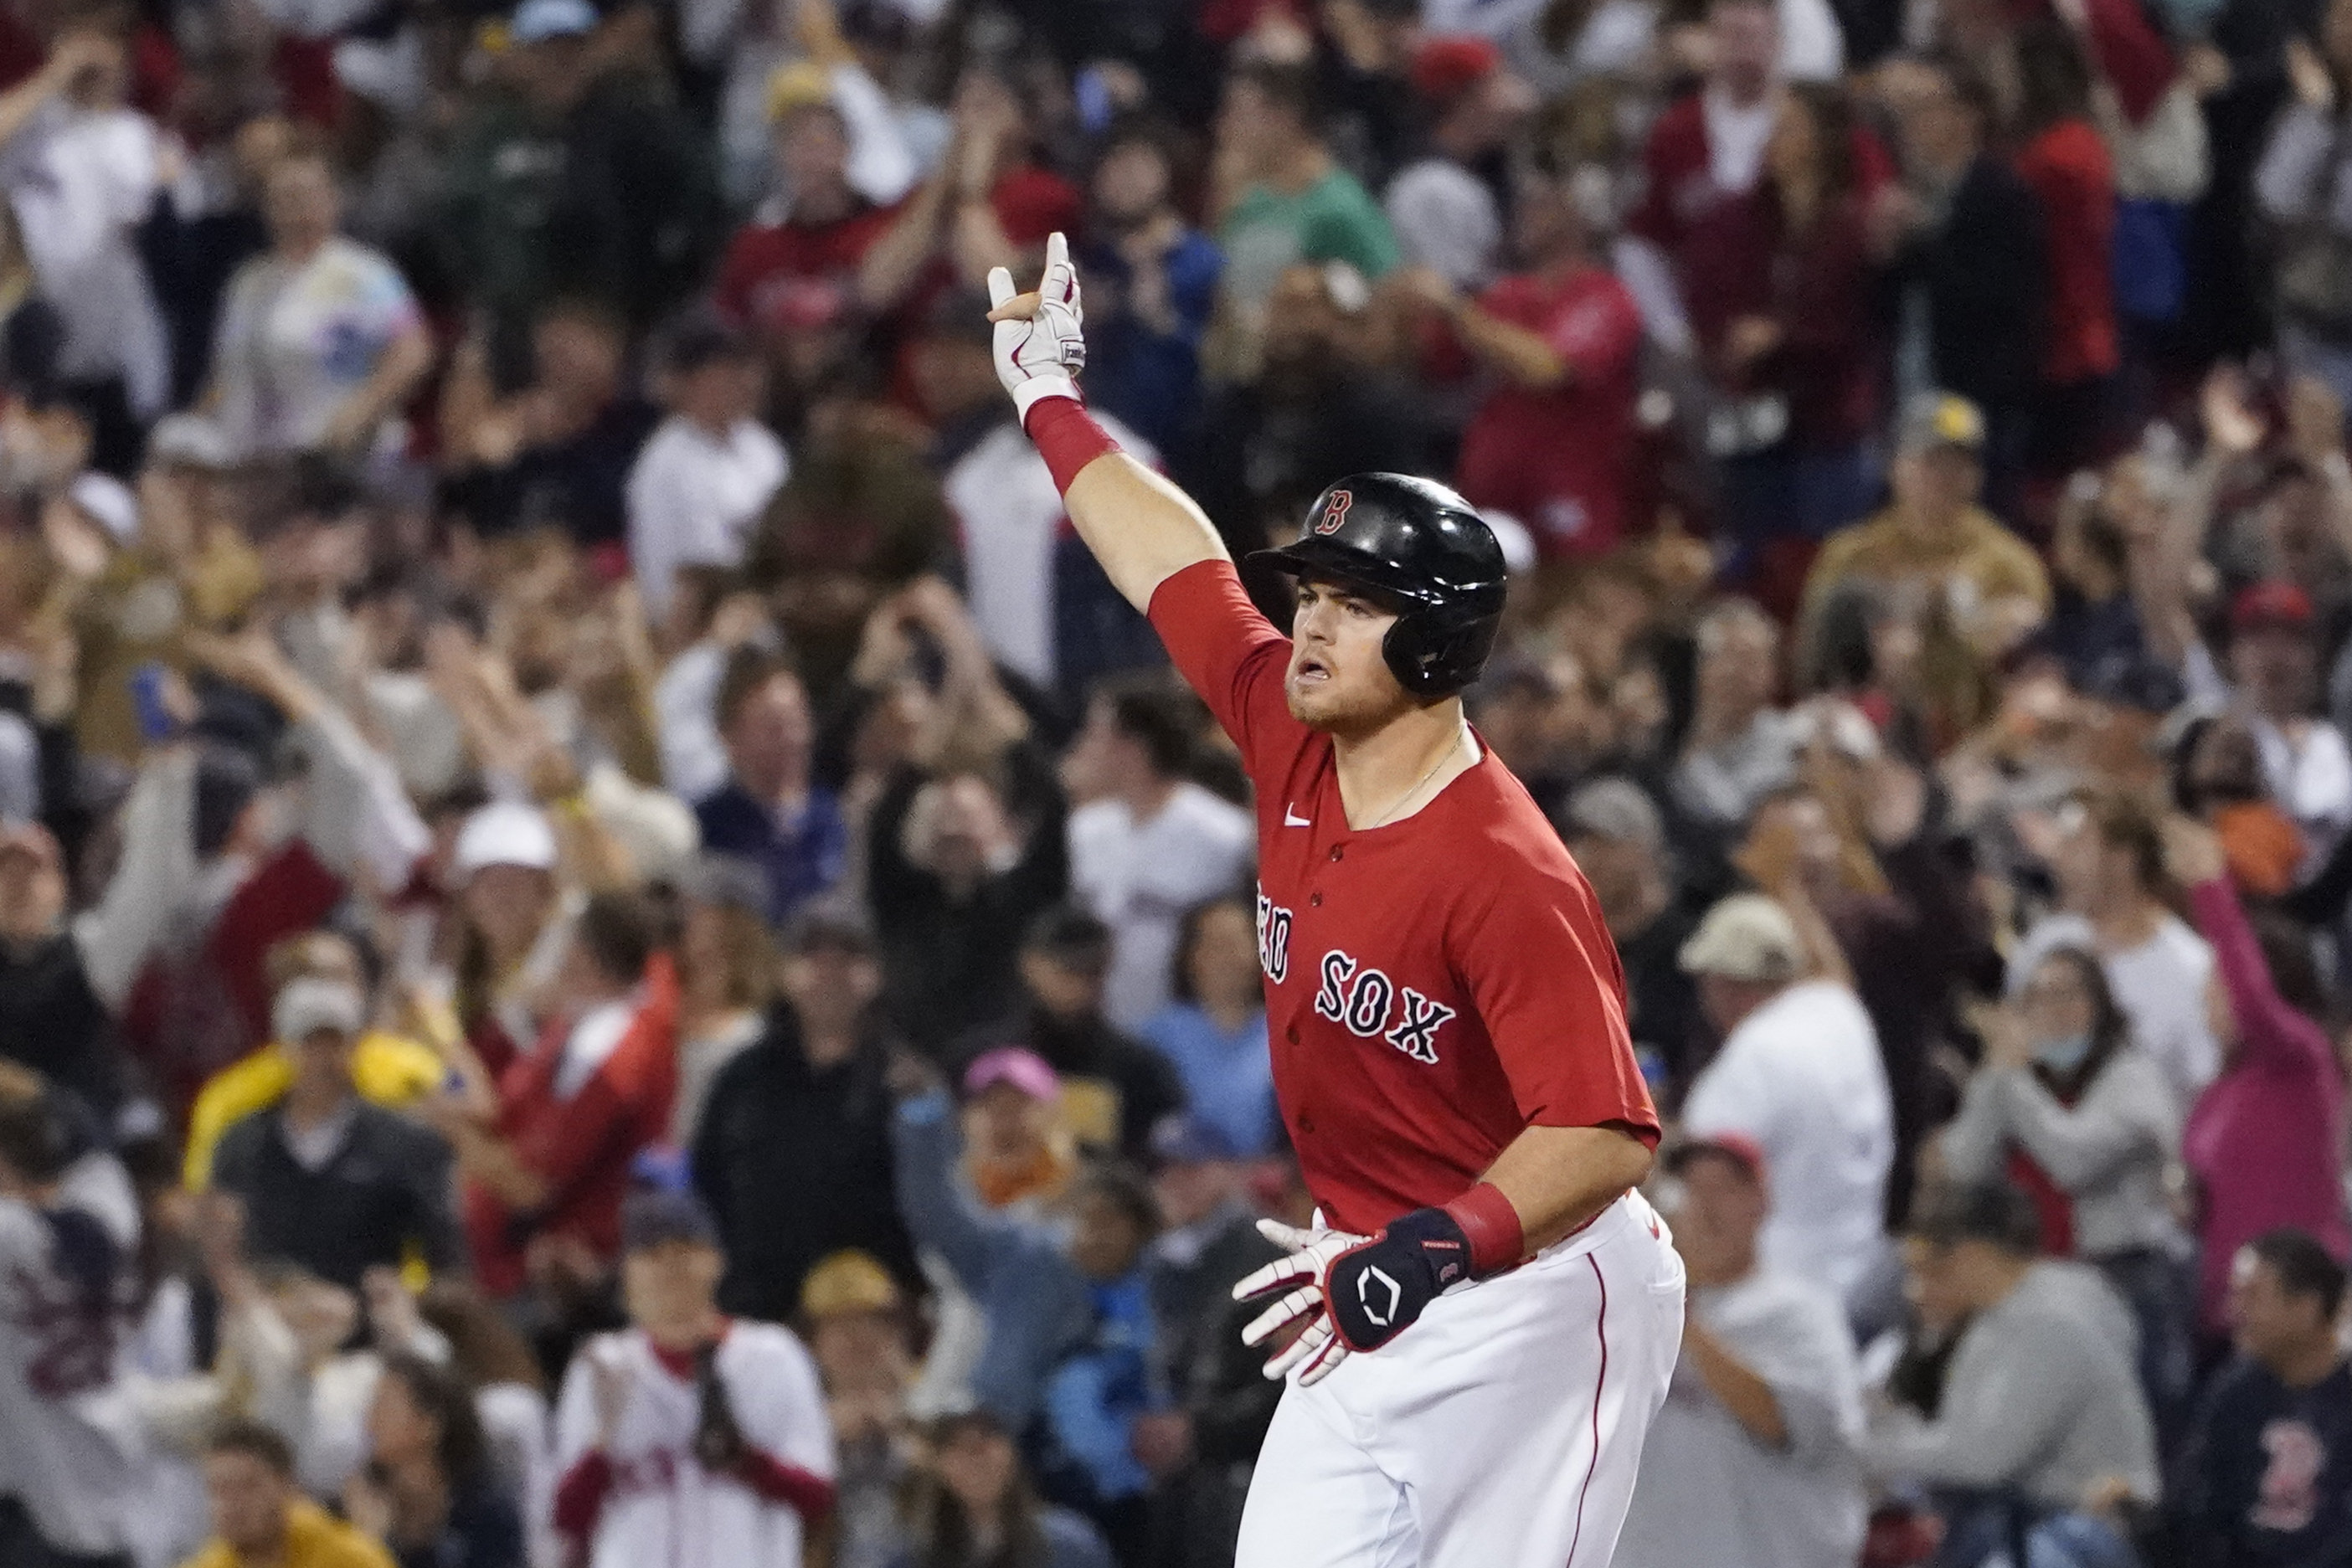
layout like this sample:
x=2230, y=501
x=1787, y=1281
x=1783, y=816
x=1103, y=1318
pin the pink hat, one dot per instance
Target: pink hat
x=1023, y=1069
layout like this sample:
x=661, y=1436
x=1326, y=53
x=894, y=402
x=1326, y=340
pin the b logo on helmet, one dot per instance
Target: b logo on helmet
x=1335, y=512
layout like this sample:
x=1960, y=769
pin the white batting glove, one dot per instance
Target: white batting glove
x=1299, y=1278
x=1040, y=346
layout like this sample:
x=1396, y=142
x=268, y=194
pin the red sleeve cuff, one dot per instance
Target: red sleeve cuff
x=1067, y=438
x=1491, y=1225
x=807, y=1493
x=580, y=1495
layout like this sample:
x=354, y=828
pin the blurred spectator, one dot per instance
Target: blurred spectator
x=2108, y=861
x=556, y=450
x=2085, y=1125
x=2063, y=160
x=1213, y=1031
x=1975, y=587
x=554, y=1161
x=1018, y=1157
x=2266, y=1480
x=574, y=177
x=320, y=342
x=856, y=1321
x=386, y=1069
x=1444, y=211
x=2039, y=1403
x=1740, y=746
x=428, y=1491
x=2275, y=676
x=687, y=1401
x=1778, y=280
x=328, y=1180
x=791, y=1153
x=1967, y=234
x=1069, y=1337
x=974, y=1506
x=1754, y=1453
x=1151, y=283
x=1280, y=198
x=2299, y=185
x=727, y=964
x=1799, y=1075
x=507, y=912
x=800, y=256
x=961, y=868
x=260, y=1518
x=2263, y=1145
x=51, y=1020
x=769, y=812
x=706, y=474
x=1553, y=445
x=1114, y=1089
x=1619, y=838
x=1200, y=1450
x=69, y=1234
x=1148, y=845
x=82, y=169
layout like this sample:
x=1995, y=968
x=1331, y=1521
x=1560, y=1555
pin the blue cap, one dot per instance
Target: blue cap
x=536, y=21
x=1180, y=1138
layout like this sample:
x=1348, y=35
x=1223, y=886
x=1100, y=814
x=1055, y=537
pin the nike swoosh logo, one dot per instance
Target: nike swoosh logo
x=1291, y=819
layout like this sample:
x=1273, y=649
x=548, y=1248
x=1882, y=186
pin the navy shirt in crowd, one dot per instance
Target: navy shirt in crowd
x=2268, y=1481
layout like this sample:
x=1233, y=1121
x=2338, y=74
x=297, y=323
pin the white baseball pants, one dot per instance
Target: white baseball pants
x=1502, y=1430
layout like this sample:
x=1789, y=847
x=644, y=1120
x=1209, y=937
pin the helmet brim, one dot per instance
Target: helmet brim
x=1321, y=561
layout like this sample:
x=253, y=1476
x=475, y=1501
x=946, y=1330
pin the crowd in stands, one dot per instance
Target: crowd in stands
x=613, y=949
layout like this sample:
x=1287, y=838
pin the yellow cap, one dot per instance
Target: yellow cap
x=801, y=84
x=847, y=1281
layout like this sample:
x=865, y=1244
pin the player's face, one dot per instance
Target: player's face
x=1338, y=681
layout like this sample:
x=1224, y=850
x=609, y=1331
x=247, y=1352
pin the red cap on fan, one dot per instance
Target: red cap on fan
x=1444, y=68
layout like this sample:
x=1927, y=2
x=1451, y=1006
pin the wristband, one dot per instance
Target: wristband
x=1492, y=1228
x=1067, y=438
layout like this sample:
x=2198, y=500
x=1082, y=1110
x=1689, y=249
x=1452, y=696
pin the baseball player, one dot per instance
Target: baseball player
x=688, y=1439
x=1486, y=1314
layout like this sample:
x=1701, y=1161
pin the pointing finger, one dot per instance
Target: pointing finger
x=1275, y=1275
x=1000, y=287
x=1289, y=1238
x=1289, y=1310
x=1057, y=261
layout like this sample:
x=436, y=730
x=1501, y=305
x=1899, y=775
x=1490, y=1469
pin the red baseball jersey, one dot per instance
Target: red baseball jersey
x=1433, y=987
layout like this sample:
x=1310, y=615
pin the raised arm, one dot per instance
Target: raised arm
x=1143, y=528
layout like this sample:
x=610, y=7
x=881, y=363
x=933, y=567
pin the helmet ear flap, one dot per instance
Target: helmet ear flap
x=1433, y=655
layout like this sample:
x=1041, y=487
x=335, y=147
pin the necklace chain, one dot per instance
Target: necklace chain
x=1398, y=804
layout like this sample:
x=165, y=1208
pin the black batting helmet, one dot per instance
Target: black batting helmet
x=1421, y=548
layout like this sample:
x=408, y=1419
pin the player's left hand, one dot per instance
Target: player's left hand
x=1362, y=1290
x=1299, y=1279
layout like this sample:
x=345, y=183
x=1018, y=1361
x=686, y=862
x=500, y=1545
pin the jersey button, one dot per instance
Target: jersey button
x=1306, y=1123
x=1291, y=1034
x=1315, y=901
x=1336, y=852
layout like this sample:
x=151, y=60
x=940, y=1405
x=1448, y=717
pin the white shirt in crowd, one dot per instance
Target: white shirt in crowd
x=1801, y=1076
x=1139, y=877
x=1812, y=45
x=73, y=1448
x=2161, y=985
x=81, y=182
x=1009, y=515
x=1708, y=1492
x=664, y=1506
x=294, y=341
x=693, y=498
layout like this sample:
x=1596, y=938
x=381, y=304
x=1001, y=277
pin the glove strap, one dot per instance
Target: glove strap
x=1492, y=1228
x=1067, y=438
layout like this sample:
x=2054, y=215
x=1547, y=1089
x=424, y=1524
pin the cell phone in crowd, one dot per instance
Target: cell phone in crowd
x=156, y=721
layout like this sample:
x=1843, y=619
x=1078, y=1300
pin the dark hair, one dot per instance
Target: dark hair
x=617, y=930
x=943, y=1535
x=748, y=670
x=483, y=1348
x=1992, y=1212
x=2303, y=1266
x=1188, y=940
x=35, y=1139
x=227, y=781
x=254, y=1441
x=2286, y=951
x=1831, y=112
x=1125, y=1188
x=1070, y=933
x=2053, y=80
x=1161, y=717
x=2110, y=1025
x=1970, y=86
x=1286, y=87
x=461, y=1449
